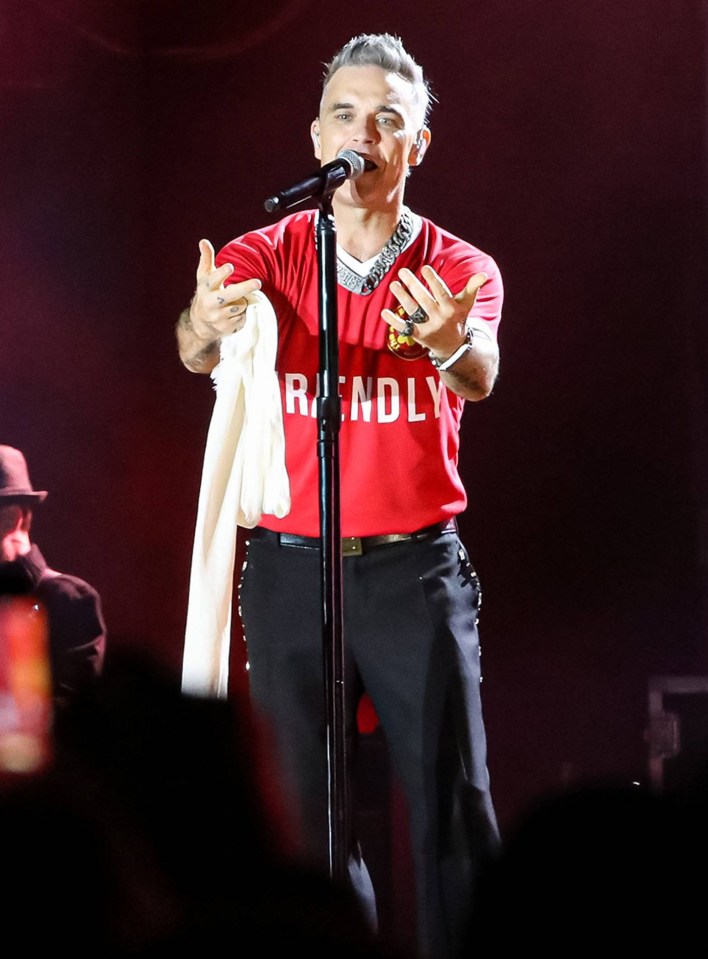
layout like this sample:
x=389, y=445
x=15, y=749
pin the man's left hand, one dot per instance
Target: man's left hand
x=434, y=316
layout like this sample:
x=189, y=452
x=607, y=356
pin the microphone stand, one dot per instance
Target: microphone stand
x=329, y=419
x=320, y=187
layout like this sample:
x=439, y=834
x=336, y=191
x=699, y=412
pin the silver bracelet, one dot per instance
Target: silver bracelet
x=443, y=365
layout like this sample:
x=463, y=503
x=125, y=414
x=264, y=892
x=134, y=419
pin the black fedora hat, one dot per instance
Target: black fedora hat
x=14, y=477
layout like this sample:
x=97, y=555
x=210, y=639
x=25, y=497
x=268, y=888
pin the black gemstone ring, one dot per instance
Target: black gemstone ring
x=408, y=328
x=420, y=316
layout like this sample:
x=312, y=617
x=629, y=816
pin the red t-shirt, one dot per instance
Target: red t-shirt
x=399, y=436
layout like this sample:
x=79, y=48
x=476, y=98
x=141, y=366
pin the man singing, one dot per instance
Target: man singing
x=418, y=312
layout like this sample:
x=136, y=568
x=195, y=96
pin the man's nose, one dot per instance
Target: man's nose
x=366, y=132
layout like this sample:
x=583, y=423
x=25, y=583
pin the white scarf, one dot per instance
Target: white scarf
x=243, y=476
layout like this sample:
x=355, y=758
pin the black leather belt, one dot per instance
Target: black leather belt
x=355, y=545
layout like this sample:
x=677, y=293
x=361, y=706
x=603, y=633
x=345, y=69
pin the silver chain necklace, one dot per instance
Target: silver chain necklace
x=384, y=261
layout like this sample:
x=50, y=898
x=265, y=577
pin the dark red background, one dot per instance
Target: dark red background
x=569, y=141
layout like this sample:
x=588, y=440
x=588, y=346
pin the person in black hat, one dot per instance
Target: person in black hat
x=74, y=615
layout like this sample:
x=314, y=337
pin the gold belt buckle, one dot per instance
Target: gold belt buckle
x=351, y=546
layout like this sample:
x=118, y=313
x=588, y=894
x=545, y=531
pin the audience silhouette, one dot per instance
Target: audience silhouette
x=598, y=868
x=157, y=828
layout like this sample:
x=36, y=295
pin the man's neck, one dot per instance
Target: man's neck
x=364, y=233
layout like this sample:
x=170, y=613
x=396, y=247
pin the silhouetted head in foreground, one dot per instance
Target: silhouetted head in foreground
x=151, y=831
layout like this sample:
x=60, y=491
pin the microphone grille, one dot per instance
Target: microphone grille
x=355, y=160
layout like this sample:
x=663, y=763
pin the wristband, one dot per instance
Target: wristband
x=443, y=365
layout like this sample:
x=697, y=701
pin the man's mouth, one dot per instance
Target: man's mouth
x=368, y=163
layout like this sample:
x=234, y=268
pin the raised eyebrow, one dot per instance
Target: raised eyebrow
x=341, y=106
x=387, y=108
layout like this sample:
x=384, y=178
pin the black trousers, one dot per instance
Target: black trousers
x=410, y=639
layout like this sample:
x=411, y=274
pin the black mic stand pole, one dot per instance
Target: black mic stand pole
x=329, y=418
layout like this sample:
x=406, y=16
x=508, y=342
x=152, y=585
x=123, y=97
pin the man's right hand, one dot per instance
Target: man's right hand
x=216, y=310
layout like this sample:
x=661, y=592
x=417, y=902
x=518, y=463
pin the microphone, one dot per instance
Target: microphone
x=348, y=166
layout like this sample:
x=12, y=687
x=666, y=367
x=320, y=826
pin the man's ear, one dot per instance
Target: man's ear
x=315, y=134
x=419, y=148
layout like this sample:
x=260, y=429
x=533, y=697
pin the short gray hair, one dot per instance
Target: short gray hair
x=386, y=51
